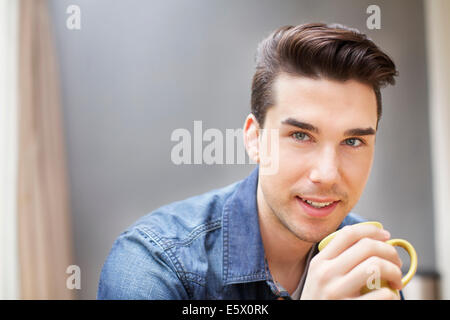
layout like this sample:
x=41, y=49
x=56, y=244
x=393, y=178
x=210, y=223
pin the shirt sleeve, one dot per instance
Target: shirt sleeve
x=137, y=268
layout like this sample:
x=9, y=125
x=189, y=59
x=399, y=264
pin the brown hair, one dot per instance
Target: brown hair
x=318, y=50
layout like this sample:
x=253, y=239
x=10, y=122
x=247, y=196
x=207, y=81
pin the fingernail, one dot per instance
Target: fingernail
x=386, y=233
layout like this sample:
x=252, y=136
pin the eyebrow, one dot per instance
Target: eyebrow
x=360, y=132
x=301, y=125
x=309, y=127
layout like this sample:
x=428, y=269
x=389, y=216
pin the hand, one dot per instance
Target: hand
x=344, y=266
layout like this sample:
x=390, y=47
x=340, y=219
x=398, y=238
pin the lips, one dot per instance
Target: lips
x=317, y=207
x=318, y=203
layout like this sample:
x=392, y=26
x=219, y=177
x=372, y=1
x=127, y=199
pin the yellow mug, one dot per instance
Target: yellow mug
x=394, y=242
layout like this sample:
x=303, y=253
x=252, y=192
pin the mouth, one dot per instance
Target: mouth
x=317, y=207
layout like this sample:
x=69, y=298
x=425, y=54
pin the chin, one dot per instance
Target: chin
x=314, y=234
x=313, y=230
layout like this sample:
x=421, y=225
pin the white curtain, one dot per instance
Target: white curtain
x=9, y=275
x=35, y=228
x=438, y=45
x=43, y=204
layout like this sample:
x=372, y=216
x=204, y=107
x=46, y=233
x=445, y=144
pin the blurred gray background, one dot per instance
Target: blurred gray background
x=137, y=70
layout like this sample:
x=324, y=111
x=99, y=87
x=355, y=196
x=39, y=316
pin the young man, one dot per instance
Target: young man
x=316, y=104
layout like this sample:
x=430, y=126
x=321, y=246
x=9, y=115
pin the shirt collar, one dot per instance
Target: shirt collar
x=244, y=257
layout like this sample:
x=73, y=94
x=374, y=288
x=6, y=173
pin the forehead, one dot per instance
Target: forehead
x=340, y=103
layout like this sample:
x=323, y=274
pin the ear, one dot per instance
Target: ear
x=251, y=137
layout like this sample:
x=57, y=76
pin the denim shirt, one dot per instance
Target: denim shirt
x=205, y=247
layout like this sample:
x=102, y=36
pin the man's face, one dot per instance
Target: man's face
x=326, y=132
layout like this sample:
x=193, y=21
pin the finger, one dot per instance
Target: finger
x=348, y=235
x=380, y=294
x=371, y=271
x=364, y=249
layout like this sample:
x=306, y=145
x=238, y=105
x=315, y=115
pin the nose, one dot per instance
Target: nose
x=325, y=168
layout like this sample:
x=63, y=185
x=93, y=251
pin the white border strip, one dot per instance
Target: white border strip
x=9, y=267
x=438, y=50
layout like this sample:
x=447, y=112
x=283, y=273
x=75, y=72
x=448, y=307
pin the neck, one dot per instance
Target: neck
x=285, y=253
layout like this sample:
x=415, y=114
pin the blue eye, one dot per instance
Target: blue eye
x=353, y=142
x=301, y=136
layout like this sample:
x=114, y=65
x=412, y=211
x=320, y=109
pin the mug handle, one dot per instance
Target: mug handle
x=412, y=254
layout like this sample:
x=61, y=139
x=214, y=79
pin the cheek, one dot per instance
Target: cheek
x=356, y=171
x=279, y=185
x=276, y=152
x=292, y=164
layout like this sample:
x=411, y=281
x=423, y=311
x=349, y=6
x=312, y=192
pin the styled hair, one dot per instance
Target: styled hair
x=318, y=50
